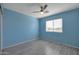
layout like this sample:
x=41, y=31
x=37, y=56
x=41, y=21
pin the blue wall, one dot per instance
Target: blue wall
x=70, y=35
x=18, y=28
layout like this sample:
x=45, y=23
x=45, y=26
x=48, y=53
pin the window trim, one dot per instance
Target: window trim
x=61, y=30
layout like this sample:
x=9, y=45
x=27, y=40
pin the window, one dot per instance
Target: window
x=54, y=25
x=49, y=26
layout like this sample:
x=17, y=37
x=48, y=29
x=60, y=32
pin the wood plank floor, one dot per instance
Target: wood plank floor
x=40, y=47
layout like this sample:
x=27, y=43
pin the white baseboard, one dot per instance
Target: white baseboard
x=18, y=44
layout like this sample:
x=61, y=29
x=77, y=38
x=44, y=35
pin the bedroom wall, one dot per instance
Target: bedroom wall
x=70, y=35
x=18, y=28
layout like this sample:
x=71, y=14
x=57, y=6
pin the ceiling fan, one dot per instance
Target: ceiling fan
x=42, y=9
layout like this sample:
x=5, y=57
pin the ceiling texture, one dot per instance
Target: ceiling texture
x=28, y=8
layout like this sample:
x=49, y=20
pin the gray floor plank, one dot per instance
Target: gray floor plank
x=40, y=47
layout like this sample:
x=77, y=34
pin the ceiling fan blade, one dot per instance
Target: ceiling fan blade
x=41, y=8
x=35, y=11
x=45, y=7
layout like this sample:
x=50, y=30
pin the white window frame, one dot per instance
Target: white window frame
x=55, y=25
x=49, y=26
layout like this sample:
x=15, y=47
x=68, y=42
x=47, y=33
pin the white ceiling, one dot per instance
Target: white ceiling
x=28, y=8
